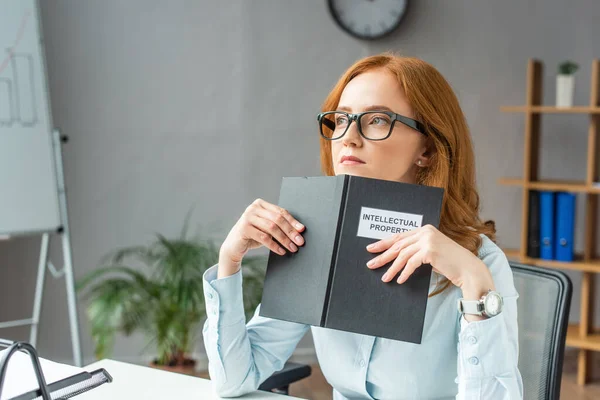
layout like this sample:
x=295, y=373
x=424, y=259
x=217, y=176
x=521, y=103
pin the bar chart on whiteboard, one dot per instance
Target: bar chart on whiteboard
x=18, y=104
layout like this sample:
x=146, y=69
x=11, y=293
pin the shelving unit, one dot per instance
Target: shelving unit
x=583, y=335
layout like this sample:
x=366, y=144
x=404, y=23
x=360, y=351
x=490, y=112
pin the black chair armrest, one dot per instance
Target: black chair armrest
x=281, y=380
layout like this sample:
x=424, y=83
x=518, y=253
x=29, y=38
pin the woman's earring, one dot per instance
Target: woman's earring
x=419, y=163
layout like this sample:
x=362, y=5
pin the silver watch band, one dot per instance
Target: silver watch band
x=473, y=307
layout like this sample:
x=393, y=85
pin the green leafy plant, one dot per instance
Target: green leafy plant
x=567, y=68
x=164, y=298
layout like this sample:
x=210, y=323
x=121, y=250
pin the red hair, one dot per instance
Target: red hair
x=452, y=161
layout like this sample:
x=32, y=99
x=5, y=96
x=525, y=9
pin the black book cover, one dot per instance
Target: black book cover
x=533, y=234
x=327, y=283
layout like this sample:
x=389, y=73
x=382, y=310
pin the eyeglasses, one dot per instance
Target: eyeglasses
x=372, y=125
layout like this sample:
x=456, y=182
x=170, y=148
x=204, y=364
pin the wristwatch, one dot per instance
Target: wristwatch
x=489, y=305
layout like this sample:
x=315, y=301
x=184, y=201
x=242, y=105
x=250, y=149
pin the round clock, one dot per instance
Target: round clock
x=368, y=19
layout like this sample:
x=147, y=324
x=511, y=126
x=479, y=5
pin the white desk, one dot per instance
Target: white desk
x=137, y=382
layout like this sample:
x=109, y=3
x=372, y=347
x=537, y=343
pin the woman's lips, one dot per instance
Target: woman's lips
x=351, y=160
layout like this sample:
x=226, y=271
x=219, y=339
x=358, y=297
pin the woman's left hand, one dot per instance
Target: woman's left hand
x=427, y=245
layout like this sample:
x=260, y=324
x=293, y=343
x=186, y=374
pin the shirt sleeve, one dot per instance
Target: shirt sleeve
x=488, y=350
x=242, y=356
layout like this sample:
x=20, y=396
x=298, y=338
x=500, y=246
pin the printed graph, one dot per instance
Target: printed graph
x=18, y=102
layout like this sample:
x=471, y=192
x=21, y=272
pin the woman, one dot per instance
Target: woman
x=413, y=131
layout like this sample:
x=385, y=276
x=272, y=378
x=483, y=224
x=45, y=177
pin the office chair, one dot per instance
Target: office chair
x=280, y=381
x=543, y=315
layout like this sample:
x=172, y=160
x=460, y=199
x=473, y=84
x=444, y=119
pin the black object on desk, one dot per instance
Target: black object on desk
x=327, y=283
x=63, y=389
x=281, y=380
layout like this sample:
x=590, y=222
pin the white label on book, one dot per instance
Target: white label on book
x=380, y=224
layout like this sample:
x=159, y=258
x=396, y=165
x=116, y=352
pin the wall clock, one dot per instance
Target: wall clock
x=368, y=19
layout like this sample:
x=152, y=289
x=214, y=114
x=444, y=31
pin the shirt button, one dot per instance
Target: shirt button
x=472, y=339
x=210, y=295
x=362, y=363
x=214, y=312
x=474, y=360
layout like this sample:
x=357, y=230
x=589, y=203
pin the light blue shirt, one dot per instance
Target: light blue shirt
x=456, y=358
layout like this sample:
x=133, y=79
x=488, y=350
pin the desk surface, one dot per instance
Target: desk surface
x=138, y=382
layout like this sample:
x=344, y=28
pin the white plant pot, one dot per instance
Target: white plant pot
x=565, y=87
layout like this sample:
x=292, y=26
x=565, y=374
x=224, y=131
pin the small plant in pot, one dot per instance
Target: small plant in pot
x=565, y=83
x=158, y=289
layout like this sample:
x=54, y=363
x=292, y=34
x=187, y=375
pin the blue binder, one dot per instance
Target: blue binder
x=547, y=225
x=565, y=226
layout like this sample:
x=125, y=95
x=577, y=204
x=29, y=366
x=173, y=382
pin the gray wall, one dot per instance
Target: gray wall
x=209, y=104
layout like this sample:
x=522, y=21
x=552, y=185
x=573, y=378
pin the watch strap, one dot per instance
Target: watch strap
x=473, y=307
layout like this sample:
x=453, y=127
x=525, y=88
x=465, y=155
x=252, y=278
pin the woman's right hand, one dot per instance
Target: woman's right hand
x=261, y=224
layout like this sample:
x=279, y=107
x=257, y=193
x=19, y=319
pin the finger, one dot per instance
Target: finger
x=265, y=239
x=399, y=263
x=411, y=266
x=386, y=243
x=392, y=252
x=283, y=224
x=279, y=210
x=271, y=228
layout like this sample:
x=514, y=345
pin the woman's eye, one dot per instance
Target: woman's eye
x=379, y=120
x=342, y=120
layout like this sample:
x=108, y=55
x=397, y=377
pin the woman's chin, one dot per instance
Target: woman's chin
x=353, y=171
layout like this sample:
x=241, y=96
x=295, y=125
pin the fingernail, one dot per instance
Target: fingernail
x=370, y=263
x=371, y=246
x=293, y=247
x=384, y=277
x=299, y=240
x=298, y=225
x=281, y=251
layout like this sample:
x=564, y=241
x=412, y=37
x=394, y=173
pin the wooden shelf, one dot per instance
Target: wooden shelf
x=589, y=342
x=552, y=185
x=577, y=265
x=589, y=266
x=551, y=109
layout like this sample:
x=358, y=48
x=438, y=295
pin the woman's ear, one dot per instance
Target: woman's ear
x=424, y=159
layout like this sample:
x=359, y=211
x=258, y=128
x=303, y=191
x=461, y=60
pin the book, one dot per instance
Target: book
x=565, y=226
x=533, y=235
x=326, y=283
x=547, y=200
x=63, y=381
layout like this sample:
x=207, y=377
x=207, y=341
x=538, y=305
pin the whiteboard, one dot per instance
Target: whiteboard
x=28, y=186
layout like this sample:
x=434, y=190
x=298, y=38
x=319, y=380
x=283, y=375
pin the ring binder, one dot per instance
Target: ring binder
x=62, y=389
x=36, y=367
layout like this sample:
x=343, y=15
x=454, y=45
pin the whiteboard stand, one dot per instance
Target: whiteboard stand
x=44, y=263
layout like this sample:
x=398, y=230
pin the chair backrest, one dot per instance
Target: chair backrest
x=543, y=317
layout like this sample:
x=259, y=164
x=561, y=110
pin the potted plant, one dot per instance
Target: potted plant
x=565, y=83
x=158, y=289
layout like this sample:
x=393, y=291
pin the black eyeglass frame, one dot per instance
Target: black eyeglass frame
x=411, y=123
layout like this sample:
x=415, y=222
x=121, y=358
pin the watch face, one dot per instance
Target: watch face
x=368, y=19
x=493, y=304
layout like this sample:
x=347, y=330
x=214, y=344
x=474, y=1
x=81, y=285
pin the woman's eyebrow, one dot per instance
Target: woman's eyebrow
x=377, y=108
x=369, y=108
